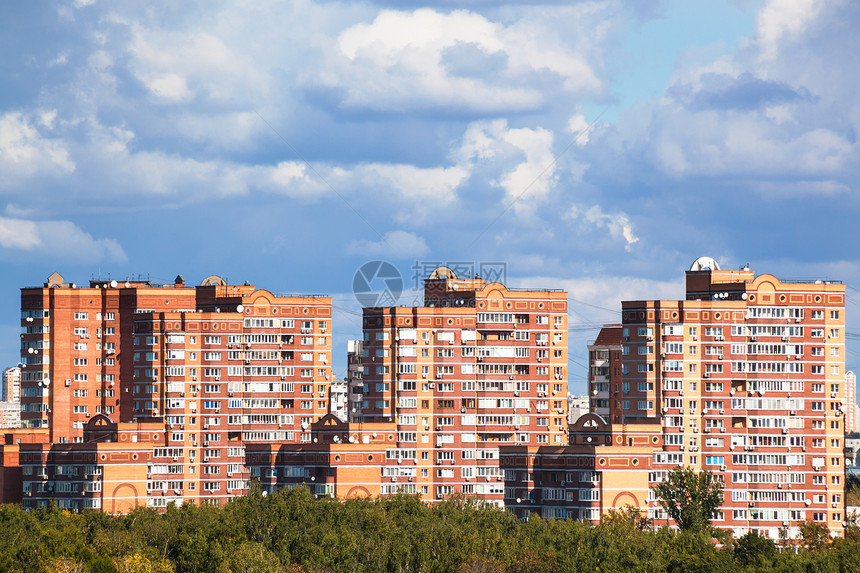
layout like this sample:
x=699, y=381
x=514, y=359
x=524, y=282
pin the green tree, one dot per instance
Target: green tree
x=754, y=551
x=815, y=536
x=690, y=498
x=852, y=490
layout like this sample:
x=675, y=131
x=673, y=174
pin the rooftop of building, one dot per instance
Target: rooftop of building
x=220, y=287
x=609, y=335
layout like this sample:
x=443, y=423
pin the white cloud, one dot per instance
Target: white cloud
x=461, y=60
x=783, y=20
x=395, y=244
x=178, y=65
x=438, y=184
x=18, y=234
x=530, y=181
x=580, y=128
x=171, y=87
x=618, y=224
x=57, y=239
x=25, y=152
x=529, y=150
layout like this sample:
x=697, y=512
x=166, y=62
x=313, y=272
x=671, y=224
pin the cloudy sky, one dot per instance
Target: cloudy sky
x=598, y=147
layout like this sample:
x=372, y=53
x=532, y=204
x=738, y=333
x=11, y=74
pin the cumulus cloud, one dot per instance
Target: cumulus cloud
x=56, y=239
x=618, y=224
x=523, y=159
x=777, y=112
x=26, y=151
x=425, y=59
x=176, y=66
x=783, y=21
x=395, y=244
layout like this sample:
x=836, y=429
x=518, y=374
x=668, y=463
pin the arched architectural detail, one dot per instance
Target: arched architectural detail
x=213, y=280
x=626, y=498
x=358, y=491
x=124, y=498
x=442, y=272
x=260, y=296
x=495, y=290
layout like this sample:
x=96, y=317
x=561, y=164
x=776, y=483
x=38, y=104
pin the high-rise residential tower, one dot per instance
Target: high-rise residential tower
x=478, y=366
x=747, y=377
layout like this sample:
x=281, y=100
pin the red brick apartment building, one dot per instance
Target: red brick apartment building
x=466, y=395
x=746, y=378
x=213, y=368
x=143, y=394
x=477, y=367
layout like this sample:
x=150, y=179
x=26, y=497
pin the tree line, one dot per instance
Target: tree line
x=291, y=531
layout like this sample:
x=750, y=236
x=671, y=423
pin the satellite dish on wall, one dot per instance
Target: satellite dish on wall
x=705, y=264
x=113, y=284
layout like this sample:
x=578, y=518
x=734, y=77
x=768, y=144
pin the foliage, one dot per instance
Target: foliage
x=291, y=531
x=690, y=497
x=852, y=490
x=815, y=536
x=754, y=551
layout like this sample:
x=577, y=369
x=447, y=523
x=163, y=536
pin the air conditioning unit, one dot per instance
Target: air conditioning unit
x=706, y=375
x=722, y=468
x=722, y=430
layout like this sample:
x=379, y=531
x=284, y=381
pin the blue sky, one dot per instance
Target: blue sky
x=598, y=147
